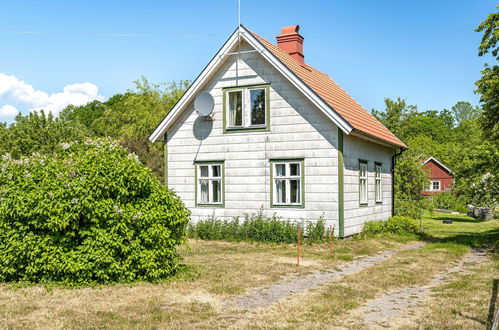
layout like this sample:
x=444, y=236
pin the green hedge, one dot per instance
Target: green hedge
x=88, y=213
x=258, y=228
x=396, y=225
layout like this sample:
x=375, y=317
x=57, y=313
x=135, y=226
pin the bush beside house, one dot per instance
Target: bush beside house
x=88, y=213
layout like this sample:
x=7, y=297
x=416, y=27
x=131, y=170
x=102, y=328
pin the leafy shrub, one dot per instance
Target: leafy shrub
x=448, y=201
x=396, y=225
x=88, y=213
x=316, y=231
x=258, y=228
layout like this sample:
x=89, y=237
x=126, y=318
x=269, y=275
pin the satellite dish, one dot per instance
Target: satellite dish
x=203, y=104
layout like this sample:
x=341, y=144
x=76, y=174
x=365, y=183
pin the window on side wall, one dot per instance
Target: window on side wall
x=378, y=189
x=209, y=184
x=435, y=186
x=363, y=182
x=287, y=183
x=246, y=108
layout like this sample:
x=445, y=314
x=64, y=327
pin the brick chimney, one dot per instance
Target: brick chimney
x=291, y=42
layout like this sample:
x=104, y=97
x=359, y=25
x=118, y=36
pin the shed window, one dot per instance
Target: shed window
x=435, y=186
x=377, y=183
x=287, y=183
x=246, y=108
x=363, y=182
x=209, y=184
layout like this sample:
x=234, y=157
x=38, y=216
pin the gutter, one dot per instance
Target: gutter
x=394, y=158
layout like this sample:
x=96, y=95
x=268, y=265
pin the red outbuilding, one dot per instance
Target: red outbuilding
x=441, y=177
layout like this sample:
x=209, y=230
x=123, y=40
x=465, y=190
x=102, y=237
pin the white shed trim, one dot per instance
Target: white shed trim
x=194, y=89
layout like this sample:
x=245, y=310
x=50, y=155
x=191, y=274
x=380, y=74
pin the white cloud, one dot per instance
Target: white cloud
x=24, y=94
x=8, y=111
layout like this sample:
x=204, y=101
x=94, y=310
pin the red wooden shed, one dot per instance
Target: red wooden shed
x=441, y=177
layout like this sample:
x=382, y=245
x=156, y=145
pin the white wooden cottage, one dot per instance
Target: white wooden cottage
x=282, y=136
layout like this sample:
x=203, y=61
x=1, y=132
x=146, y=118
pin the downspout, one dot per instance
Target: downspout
x=393, y=178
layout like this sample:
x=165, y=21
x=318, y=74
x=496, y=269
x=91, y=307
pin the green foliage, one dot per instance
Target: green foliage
x=488, y=85
x=396, y=225
x=316, y=231
x=257, y=228
x=38, y=132
x=131, y=117
x=464, y=111
x=87, y=213
x=448, y=201
x=394, y=115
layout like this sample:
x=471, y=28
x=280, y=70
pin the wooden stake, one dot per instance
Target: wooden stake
x=298, y=259
x=331, y=240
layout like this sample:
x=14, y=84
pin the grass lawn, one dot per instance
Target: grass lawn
x=216, y=271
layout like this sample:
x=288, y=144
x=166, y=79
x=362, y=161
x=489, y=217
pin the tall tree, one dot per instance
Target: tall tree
x=463, y=110
x=396, y=111
x=488, y=85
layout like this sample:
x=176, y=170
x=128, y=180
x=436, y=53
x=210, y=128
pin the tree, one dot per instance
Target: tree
x=40, y=133
x=462, y=111
x=488, y=85
x=394, y=114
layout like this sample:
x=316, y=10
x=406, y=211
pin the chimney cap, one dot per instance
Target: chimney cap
x=289, y=30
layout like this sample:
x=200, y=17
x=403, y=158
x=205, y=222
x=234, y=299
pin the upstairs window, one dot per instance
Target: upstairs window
x=363, y=182
x=246, y=108
x=209, y=184
x=377, y=183
x=287, y=183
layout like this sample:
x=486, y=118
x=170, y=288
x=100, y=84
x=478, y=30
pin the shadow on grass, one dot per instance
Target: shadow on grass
x=485, y=239
x=456, y=219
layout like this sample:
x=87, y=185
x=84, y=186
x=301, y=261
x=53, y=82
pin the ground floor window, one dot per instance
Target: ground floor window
x=377, y=183
x=209, y=183
x=435, y=186
x=363, y=182
x=287, y=182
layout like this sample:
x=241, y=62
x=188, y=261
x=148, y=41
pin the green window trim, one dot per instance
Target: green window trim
x=366, y=203
x=341, y=186
x=380, y=166
x=196, y=190
x=246, y=129
x=301, y=161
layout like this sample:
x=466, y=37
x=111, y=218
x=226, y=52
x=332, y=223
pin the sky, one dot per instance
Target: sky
x=55, y=53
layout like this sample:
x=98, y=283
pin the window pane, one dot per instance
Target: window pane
x=236, y=108
x=204, y=191
x=436, y=185
x=294, y=187
x=378, y=190
x=280, y=191
x=257, y=102
x=216, y=171
x=363, y=191
x=203, y=171
x=217, y=191
x=294, y=169
x=280, y=170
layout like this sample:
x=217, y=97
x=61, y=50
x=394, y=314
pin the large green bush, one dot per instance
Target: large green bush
x=396, y=225
x=88, y=213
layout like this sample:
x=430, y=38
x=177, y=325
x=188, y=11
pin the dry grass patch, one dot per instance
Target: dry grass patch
x=216, y=271
x=329, y=305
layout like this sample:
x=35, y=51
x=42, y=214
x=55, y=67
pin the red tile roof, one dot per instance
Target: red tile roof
x=361, y=120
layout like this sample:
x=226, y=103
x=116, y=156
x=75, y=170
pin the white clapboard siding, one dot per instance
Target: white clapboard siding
x=298, y=130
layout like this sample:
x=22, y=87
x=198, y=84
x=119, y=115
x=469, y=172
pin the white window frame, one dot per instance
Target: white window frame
x=432, y=184
x=378, y=182
x=363, y=180
x=210, y=178
x=246, y=107
x=287, y=178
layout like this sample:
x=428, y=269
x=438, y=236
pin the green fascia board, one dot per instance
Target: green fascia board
x=341, y=187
